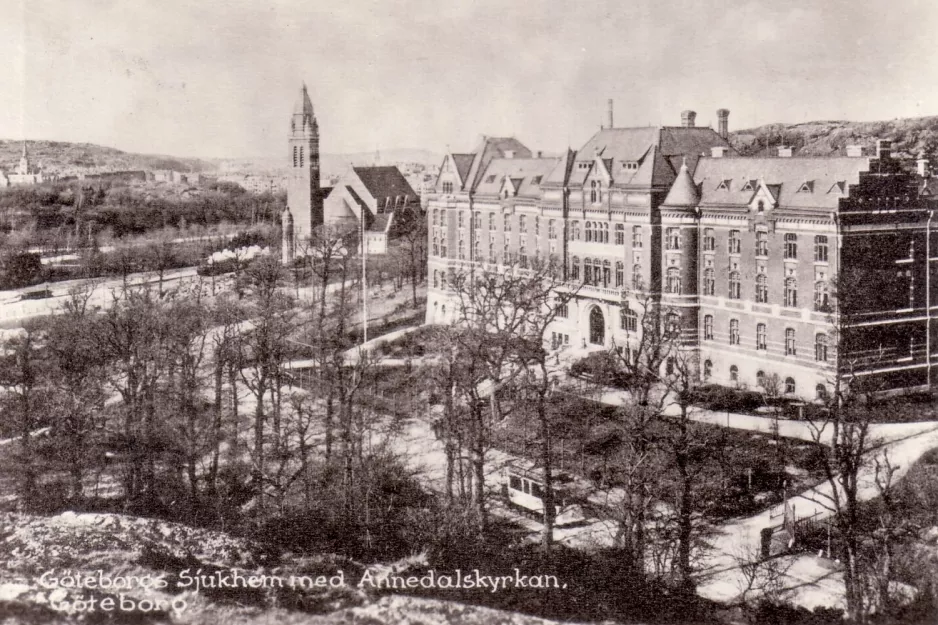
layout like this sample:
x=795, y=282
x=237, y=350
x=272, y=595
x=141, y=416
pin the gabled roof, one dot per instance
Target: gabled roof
x=521, y=173
x=385, y=182
x=780, y=177
x=560, y=174
x=492, y=148
x=462, y=163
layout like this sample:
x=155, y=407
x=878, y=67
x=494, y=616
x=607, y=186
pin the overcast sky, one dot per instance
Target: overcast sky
x=218, y=79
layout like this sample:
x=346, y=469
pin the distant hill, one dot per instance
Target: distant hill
x=823, y=138
x=69, y=158
x=333, y=164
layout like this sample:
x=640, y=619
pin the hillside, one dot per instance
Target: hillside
x=67, y=158
x=824, y=138
x=131, y=569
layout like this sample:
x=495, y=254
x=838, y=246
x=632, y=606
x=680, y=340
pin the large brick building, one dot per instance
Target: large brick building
x=741, y=252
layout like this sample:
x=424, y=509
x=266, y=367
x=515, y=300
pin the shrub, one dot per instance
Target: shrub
x=601, y=367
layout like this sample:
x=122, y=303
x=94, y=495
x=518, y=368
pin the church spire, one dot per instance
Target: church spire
x=303, y=114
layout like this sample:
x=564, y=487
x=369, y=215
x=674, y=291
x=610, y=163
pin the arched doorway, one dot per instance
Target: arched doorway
x=597, y=327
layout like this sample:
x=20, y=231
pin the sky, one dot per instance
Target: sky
x=215, y=78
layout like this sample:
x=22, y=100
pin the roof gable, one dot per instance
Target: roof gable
x=385, y=182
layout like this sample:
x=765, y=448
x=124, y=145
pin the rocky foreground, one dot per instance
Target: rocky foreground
x=94, y=568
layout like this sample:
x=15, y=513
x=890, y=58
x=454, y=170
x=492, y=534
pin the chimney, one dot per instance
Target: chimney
x=854, y=151
x=883, y=149
x=922, y=164
x=509, y=153
x=539, y=154
x=723, y=122
x=718, y=151
x=784, y=151
x=609, y=114
x=687, y=119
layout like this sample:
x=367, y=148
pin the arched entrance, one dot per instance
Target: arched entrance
x=597, y=327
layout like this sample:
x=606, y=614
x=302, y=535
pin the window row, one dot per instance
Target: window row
x=598, y=273
x=820, y=339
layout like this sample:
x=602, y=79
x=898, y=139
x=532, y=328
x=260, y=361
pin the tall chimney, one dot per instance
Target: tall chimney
x=723, y=122
x=609, y=118
x=687, y=119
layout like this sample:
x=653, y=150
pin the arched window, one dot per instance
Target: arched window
x=760, y=378
x=436, y=246
x=762, y=243
x=791, y=293
x=607, y=274
x=620, y=274
x=791, y=245
x=761, y=206
x=436, y=279
x=605, y=233
x=587, y=271
x=673, y=280
x=734, y=373
x=821, y=296
x=597, y=272
x=789, y=386
x=436, y=216
x=637, y=277
x=589, y=231
x=734, y=285
x=820, y=392
x=477, y=220
x=491, y=221
x=760, y=336
x=708, y=369
x=710, y=283
x=762, y=289
x=491, y=250
x=820, y=347
x=575, y=268
x=708, y=327
x=789, y=341
x=592, y=193
x=734, y=331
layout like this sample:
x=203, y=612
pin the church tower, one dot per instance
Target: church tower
x=304, y=196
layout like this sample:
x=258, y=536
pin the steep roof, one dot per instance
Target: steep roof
x=527, y=175
x=784, y=178
x=463, y=163
x=684, y=190
x=303, y=109
x=561, y=172
x=384, y=182
x=491, y=148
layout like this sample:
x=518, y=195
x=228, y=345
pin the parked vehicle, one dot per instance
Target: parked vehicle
x=524, y=490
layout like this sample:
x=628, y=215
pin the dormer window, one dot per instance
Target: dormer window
x=806, y=187
x=724, y=185
x=760, y=207
x=629, y=165
x=490, y=179
x=838, y=187
x=750, y=185
x=536, y=180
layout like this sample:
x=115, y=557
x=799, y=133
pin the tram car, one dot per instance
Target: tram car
x=524, y=490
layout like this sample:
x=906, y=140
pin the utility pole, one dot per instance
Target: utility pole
x=364, y=282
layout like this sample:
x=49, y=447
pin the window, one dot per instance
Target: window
x=492, y=258
x=462, y=219
x=607, y=274
x=491, y=222
x=734, y=285
x=733, y=242
x=589, y=231
x=637, y=237
x=620, y=274
x=462, y=249
x=447, y=187
x=620, y=234
x=708, y=370
x=301, y=156
x=789, y=386
x=552, y=229
x=791, y=293
x=762, y=289
x=587, y=271
x=734, y=331
x=575, y=231
x=760, y=336
x=537, y=226
x=443, y=246
x=760, y=378
x=436, y=246
x=628, y=319
x=294, y=156
x=820, y=249
x=476, y=255
x=673, y=280
x=761, y=206
x=575, y=268
x=523, y=255
x=637, y=277
x=563, y=310
x=789, y=341
x=821, y=296
x=506, y=225
x=708, y=327
x=791, y=246
x=490, y=179
x=477, y=220
x=762, y=243
x=710, y=283
x=436, y=216
x=734, y=373
x=523, y=224
x=673, y=241
x=710, y=241
x=820, y=348
x=506, y=253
